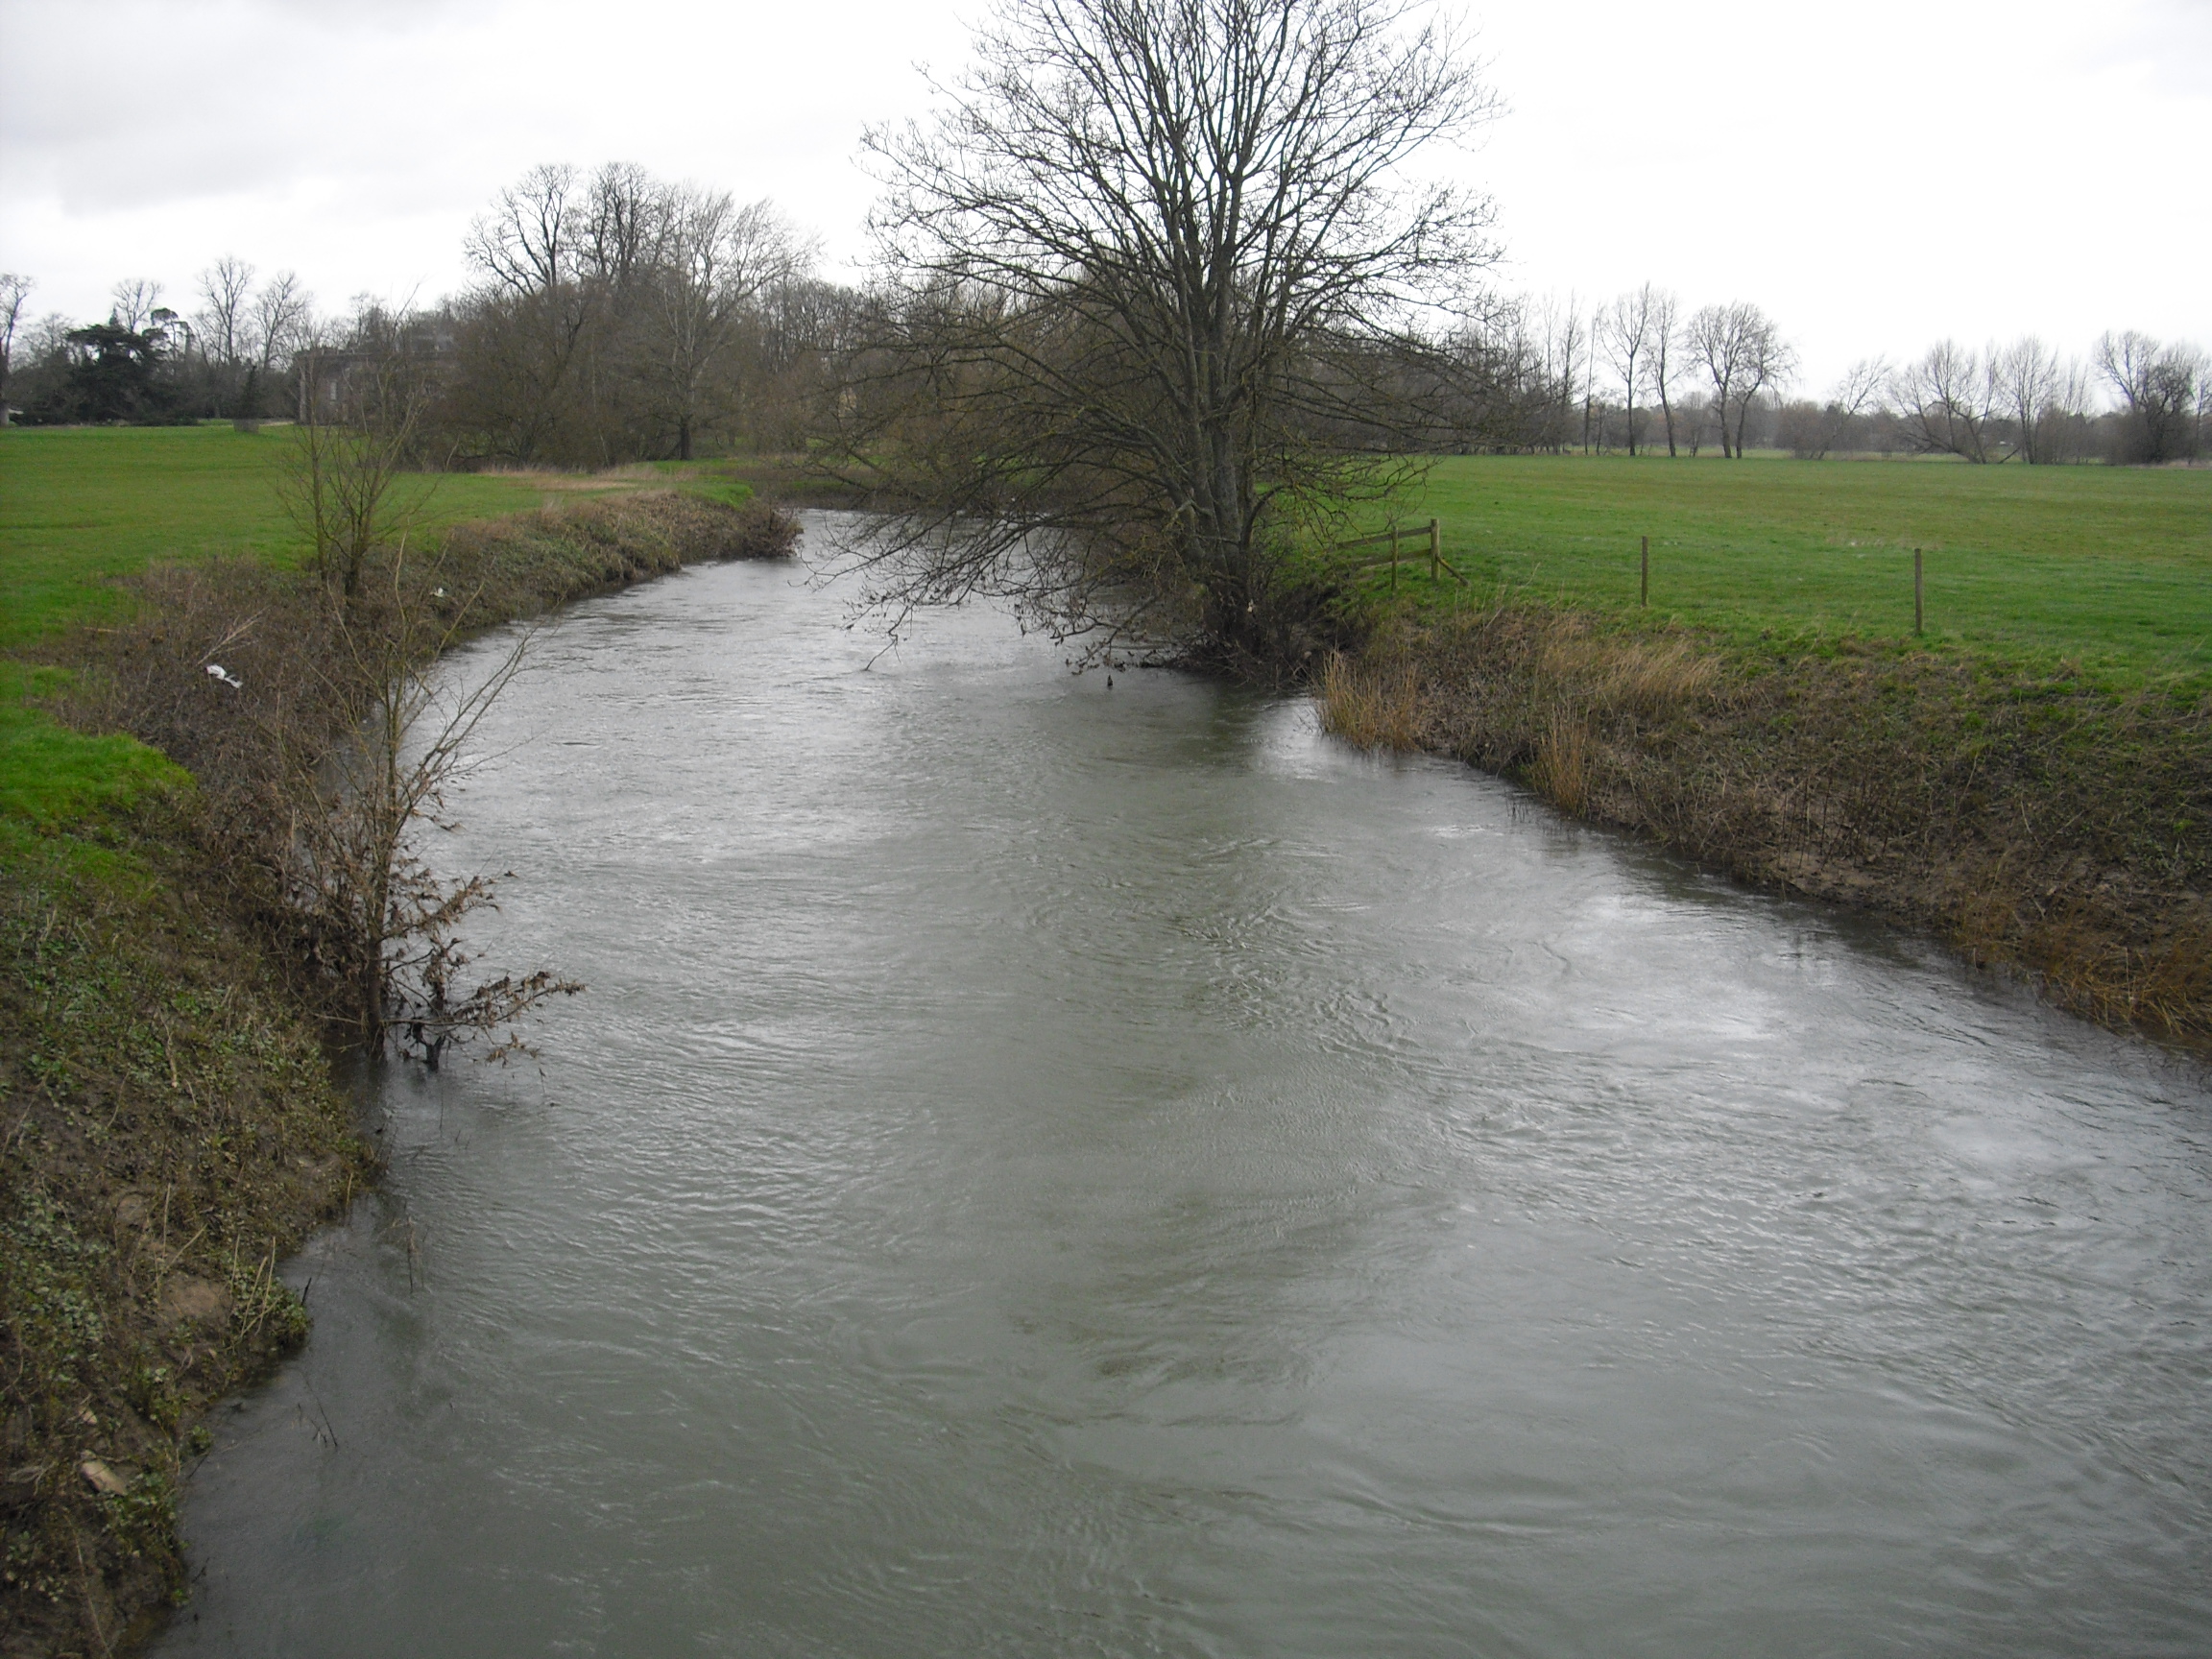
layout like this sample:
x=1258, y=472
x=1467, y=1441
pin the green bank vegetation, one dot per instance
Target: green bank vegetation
x=173, y=958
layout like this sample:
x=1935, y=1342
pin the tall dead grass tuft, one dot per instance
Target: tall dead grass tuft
x=1560, y=771
x=1375, y=708
x=1607, y=675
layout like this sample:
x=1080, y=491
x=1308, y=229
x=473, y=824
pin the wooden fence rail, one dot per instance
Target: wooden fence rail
x=1437, y=563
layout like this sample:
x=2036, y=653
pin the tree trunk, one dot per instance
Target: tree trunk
x=1630, y=401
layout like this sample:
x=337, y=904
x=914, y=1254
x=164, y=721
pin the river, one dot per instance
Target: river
x=1051, y=1168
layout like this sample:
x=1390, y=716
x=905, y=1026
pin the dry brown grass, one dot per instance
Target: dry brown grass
x=1375, y=708
x=1560, y=769
x=1606, y=674
x=2037, y=823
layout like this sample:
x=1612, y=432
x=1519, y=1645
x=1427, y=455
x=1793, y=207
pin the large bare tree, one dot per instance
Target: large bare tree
x=1949, y=402
x=718, y=258
x=2028, y=378
x=1152, y=281
x=2158, y=386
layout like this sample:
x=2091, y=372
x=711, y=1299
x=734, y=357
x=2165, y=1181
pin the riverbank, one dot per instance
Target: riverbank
x=2039, y=822
x=1728, y=658
x=171, y=1127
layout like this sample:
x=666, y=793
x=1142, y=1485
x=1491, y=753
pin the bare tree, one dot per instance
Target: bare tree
x=1745, y=354
x=353, y=861
x=282, y=313
x=2158, y=384
x=2027, y=377
x=527, y=242
x=1813, y=430
x=1149, y=252
x=1625, y=332
x=345, y=488
x=135, y=303
x=560, y=253
x=14, y=291
x=224, y=317
x=1666, y=320
x=1947, y=402
x=717, y=259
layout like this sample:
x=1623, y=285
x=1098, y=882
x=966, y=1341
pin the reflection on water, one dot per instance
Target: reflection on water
x=1051, y=1169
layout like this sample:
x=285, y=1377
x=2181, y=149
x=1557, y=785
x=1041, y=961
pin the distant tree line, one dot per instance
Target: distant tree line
x=1642, y=371
x=617, y=318
x=147, y=362
x=614, y=318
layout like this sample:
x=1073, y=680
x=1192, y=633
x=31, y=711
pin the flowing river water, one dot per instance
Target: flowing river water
x=1045, y=1168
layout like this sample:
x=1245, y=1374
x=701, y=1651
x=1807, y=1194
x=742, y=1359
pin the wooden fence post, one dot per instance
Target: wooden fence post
x=1919, y=609
x=1644, y=584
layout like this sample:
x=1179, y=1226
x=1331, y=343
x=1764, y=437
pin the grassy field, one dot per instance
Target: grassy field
x=80, y=505
x=2109, y=568
x=83, y=506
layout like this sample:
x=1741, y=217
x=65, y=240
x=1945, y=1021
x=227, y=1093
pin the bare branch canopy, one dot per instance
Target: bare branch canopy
x=1155, y=286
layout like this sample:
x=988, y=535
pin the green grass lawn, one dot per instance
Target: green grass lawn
x=2110, y=567
x=80, y=505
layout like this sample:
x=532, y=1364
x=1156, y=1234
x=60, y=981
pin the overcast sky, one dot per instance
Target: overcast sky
x=1876, y=176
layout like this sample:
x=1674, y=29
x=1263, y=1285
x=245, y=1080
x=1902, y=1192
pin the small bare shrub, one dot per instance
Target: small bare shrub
x=762, y=531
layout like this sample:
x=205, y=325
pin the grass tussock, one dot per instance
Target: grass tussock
x=1373, y=707
x=2042, y=821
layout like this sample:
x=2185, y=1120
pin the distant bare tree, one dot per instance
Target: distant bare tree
x=135, y=300
x=280, y=318
x=14, y=290
x=1947, y=402
x=1811, y=431
x=224, y=318
x=1563, y=343
x=527, y=242
x=718, y=258
x=1745, y=354
x=1625, y=332
x=1666, y=323
x=2159, y=385
x=2027, y=373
